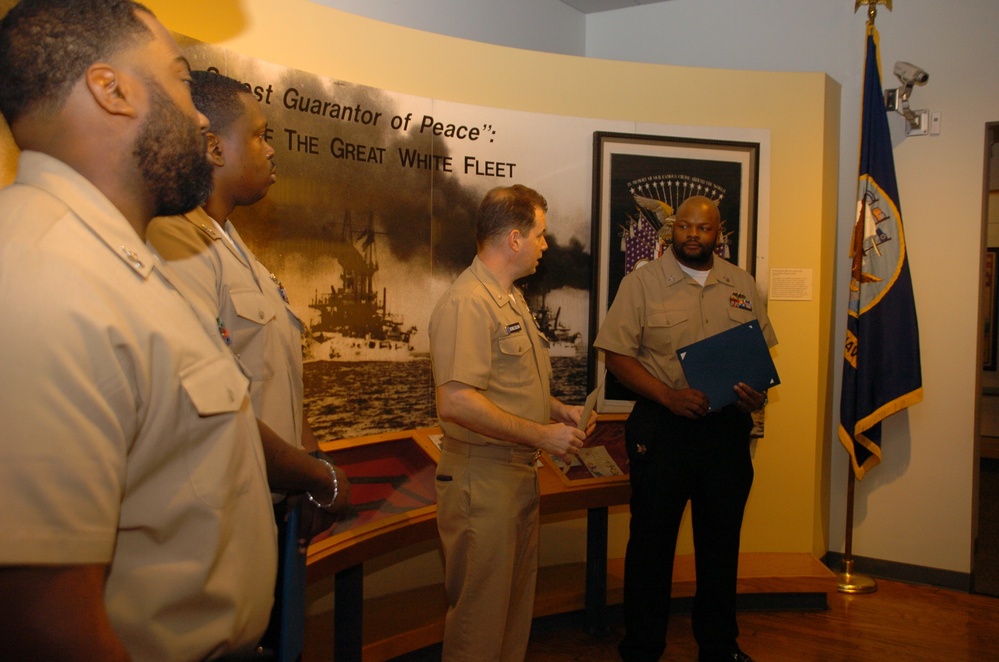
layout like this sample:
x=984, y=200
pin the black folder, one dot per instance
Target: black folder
x=716, y=364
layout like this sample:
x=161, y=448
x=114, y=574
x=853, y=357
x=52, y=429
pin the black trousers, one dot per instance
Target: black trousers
x=675, y=460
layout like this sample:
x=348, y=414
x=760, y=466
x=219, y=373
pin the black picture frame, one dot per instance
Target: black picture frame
x=638, y=181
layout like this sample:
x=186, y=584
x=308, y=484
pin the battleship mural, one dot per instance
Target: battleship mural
x=354, y=321
x=564, y=342
x=372, y=217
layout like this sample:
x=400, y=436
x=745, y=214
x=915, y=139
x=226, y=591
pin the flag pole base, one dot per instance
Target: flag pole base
x=849, y=581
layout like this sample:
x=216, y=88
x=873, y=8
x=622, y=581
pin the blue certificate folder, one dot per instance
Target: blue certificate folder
x=717, y=363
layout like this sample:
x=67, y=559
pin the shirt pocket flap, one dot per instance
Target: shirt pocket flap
x=215, y=385
x=252, y=306
x=667, y=318
x=517, y=344
x=740, y=315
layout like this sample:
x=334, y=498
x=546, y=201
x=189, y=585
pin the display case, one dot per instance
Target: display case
x=602, y=459
x=392, y=484
x=393, y=499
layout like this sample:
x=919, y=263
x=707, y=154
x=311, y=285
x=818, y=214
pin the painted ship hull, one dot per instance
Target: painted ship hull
x=563, y=349
x=338, y=347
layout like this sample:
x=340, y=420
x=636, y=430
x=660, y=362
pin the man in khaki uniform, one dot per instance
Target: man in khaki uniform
x=245, y=303
x=248, y=306
x=492, y=373
x=681, y=449
x=137, y=521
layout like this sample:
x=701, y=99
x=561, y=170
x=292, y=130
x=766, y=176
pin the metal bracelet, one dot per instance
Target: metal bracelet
x=336, y=489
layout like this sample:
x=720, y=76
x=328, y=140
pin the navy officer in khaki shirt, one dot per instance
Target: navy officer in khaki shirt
x=492, y=374
x=679, y=448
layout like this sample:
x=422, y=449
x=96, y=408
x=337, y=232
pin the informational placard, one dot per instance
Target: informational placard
x=787, y=284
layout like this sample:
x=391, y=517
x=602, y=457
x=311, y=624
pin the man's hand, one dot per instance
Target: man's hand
x=687, y=402
x=749, y=399
x=561, y=440
x=591, y=422
x=314, y=519
x=570, y=415
x=466, y=406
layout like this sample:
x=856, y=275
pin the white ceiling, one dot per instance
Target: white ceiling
x=594, y=6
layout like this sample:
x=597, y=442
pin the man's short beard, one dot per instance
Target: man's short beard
x=172, y=156
x=703, y=260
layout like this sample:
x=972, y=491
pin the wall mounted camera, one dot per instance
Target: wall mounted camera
x=897, y=99
x=910, y=74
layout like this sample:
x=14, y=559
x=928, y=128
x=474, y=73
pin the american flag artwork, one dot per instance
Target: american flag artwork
x=641, y=243
x=648, y=232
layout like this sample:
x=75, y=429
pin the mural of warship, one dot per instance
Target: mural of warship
x=562, y=341
x=354, y=321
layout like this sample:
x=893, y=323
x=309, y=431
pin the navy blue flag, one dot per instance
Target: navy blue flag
x=881, y=370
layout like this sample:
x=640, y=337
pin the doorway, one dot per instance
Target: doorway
x=985, y=569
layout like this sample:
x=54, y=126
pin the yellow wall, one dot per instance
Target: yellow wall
x=788, y=508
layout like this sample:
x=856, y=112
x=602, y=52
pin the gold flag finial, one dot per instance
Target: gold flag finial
x=872, y=6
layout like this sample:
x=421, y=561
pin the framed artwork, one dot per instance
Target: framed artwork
x=638, y=183
x=990, y=314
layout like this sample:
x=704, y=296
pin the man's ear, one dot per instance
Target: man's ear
x=106, y=86
x=514, y=239
x=215, y=155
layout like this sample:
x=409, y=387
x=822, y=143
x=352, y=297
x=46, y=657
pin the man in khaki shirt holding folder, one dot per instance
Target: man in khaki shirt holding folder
x=679, y=448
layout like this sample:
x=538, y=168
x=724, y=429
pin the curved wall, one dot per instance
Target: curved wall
x=788, y=509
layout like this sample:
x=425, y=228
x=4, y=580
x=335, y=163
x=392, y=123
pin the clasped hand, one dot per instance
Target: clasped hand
x=564, y=439
x=693, y=404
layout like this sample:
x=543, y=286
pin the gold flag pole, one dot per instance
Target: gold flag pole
x=849, y=581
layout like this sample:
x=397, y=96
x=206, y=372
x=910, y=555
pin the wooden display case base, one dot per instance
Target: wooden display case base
x=403, y=622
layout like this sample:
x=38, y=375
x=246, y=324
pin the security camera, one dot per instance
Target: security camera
x=910, y=74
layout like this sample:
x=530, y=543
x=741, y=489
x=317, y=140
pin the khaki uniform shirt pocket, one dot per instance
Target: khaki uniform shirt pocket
x=740, y=315
x=516, y=365
x=254, y=312
x=666, y=331
x=216, y=388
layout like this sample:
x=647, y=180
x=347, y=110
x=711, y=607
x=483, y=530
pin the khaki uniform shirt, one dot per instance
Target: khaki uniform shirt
x=128, y=437
x=240, y=293
x=479, y=338
x=658, y=309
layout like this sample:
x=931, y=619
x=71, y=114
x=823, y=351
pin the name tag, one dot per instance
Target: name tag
x=513, y=328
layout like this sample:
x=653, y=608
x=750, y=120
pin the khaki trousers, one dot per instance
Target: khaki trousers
x=487, y=516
